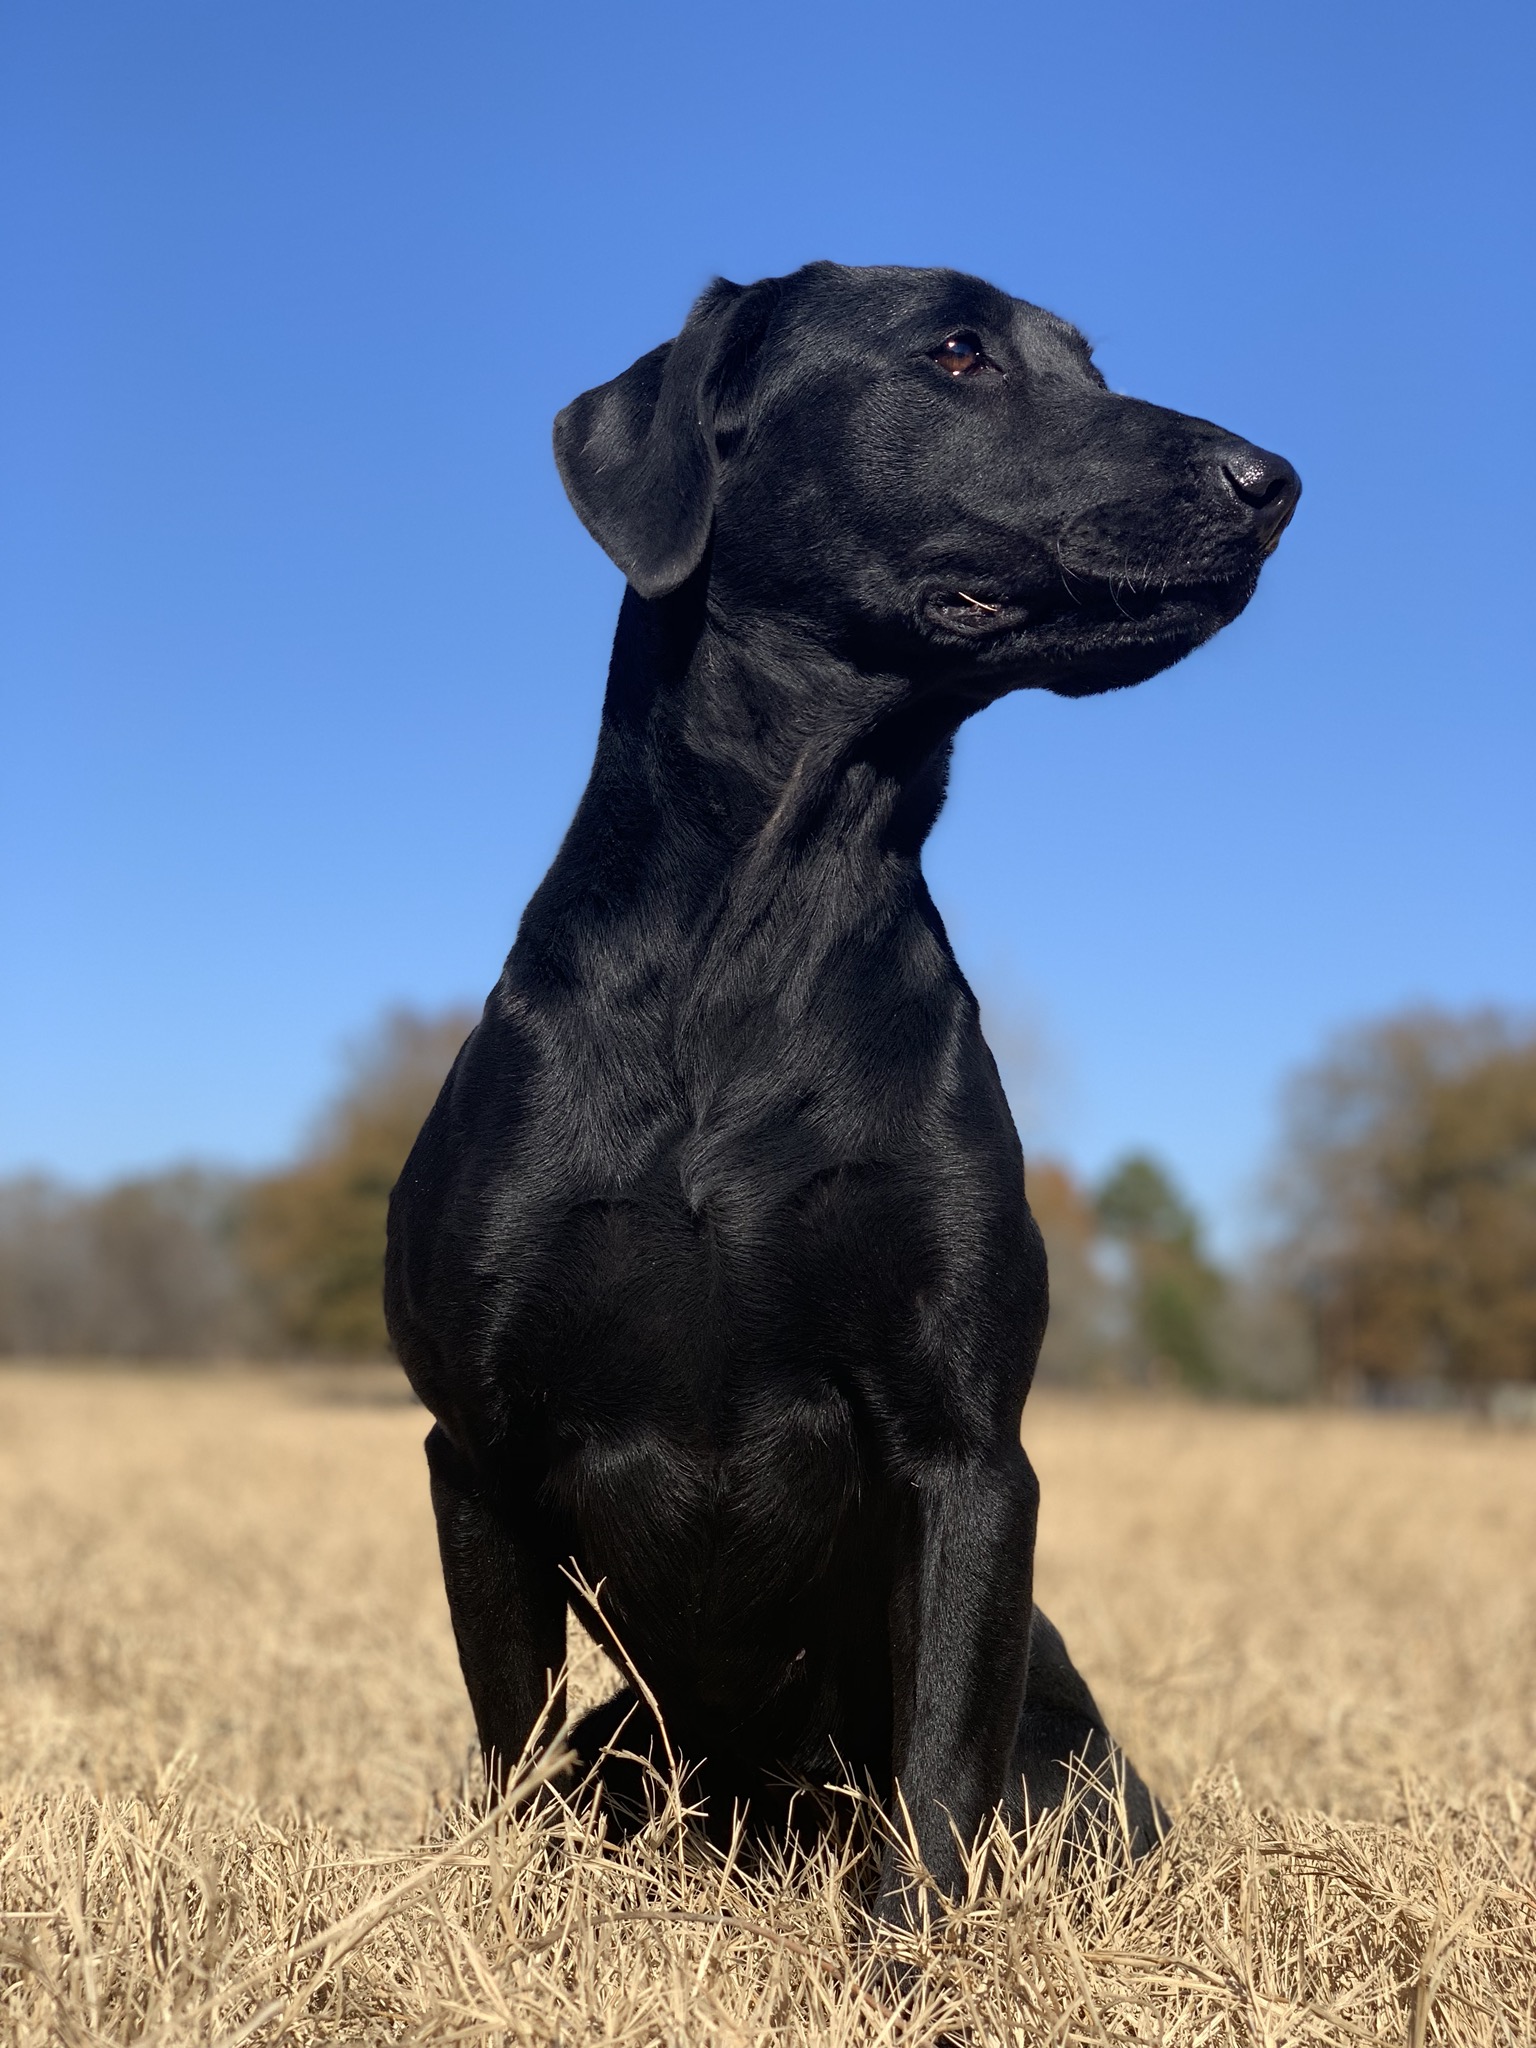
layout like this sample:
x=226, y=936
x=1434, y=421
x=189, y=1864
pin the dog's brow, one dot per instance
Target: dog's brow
x=1058, y=338
x=1063, y=330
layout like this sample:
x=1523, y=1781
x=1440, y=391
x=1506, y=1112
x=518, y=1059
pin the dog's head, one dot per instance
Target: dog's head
x=929, y=476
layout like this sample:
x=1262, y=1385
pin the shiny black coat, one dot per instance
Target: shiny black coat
x=713, y=1260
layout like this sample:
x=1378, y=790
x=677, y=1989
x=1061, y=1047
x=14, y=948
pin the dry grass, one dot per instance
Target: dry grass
x=234, y=1751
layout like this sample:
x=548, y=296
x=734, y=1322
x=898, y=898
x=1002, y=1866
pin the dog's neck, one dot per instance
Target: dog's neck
x=755, y=807
x=753, y=736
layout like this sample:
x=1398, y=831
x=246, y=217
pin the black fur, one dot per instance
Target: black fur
x=713, y=1260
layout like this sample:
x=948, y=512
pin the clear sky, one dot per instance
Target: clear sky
x=303, y=649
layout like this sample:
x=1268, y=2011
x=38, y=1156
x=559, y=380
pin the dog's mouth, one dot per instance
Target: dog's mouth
x=976, y=614
x=1134, y=610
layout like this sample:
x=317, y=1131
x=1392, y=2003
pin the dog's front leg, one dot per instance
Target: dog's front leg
x=507, y=1604
x=960, y=1642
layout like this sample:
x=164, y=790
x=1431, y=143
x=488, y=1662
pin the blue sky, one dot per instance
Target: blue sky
x=303, y=650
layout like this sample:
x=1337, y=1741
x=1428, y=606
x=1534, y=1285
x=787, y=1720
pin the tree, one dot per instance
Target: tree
x=146, y=1269
x=1084, y=1339
x=1408, y=1198
x=1175, y=1290
x=313, y=1237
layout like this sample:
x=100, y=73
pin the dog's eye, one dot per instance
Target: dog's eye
x=960, y=355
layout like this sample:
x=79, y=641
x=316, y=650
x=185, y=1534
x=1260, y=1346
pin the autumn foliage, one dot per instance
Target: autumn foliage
x=1409, y=1191
x=313, y=1238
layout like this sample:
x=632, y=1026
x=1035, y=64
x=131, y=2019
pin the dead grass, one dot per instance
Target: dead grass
x=234, y=1750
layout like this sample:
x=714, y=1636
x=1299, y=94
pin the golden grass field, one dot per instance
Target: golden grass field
x=234, y=1753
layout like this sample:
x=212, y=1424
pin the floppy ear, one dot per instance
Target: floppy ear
x=640, y=457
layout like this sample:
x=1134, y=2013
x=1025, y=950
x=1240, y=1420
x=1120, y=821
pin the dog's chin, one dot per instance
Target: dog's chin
x=1080, y=644
x=1111, y=655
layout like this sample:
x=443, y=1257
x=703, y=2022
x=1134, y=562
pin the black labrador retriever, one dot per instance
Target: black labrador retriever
x=713, y=1260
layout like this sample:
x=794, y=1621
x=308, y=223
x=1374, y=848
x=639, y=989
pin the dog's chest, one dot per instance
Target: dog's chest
x=704, y=1290
x=728, y=1553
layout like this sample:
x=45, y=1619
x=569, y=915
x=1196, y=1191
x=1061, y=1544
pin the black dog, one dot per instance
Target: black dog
x=713, y=1260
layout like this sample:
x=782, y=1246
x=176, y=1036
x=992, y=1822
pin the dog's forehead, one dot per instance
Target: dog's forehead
x=890, y=304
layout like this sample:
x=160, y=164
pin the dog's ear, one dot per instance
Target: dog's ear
x=640, y=457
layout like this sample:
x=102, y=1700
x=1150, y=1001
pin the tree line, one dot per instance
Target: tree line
x=1402, y=1255
x=199, y=1264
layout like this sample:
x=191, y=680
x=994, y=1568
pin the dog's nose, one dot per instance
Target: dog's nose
x=1266, y=484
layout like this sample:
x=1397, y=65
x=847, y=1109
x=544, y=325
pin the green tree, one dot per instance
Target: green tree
x=1175, y=1291
x=1407, y=1192
x=313, y=1237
